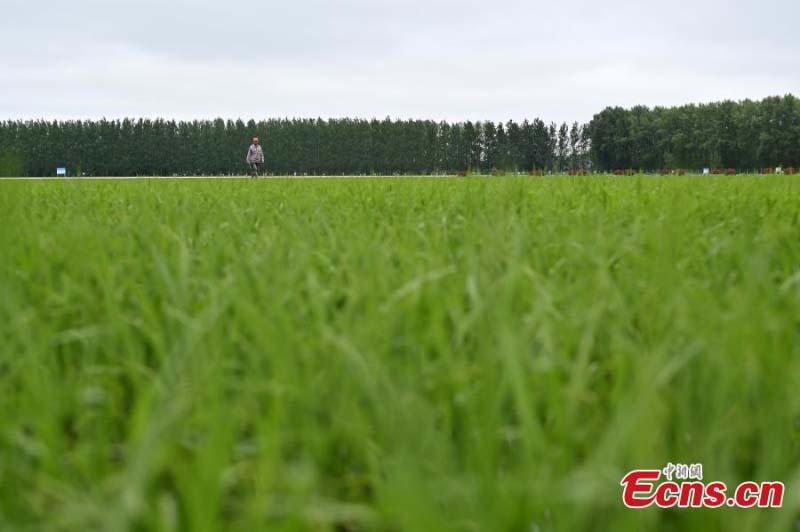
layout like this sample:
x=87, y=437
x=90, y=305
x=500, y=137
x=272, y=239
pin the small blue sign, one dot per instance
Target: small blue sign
x=61, y=171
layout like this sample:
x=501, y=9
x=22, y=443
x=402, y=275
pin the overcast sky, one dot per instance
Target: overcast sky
x=560, y=60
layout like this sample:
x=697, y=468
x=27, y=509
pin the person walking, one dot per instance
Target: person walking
x=255, y=157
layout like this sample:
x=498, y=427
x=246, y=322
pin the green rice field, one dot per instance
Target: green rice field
x=394, y=354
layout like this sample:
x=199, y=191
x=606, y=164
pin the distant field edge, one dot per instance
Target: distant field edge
x=446, y=176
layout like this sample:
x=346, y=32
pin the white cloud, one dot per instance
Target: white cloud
x=448, y=59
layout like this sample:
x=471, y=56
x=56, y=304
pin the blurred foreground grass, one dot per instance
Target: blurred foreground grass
x=394, y=354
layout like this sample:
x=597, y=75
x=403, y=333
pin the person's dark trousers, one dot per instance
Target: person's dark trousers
x=254, y=167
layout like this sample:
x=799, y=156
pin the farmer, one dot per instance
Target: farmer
x=255, y=157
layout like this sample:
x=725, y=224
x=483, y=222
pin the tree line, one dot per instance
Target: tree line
x=743, y=135
x=301, y=146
